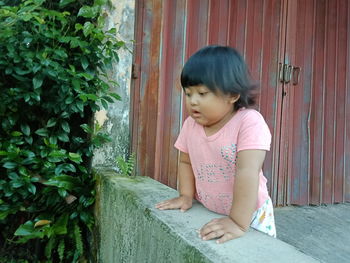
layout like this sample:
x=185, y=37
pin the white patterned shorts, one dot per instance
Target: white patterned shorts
x=263, y=219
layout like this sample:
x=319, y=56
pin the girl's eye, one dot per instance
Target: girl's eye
x=187, y=94
x=203, y=93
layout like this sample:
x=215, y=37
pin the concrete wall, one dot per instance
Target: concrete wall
x=115, y=121
x=130, y=229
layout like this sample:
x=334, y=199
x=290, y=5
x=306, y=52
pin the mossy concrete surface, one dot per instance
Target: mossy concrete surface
x=130, y=229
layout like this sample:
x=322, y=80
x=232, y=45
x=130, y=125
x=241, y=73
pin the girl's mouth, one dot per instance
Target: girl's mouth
x=195, y=113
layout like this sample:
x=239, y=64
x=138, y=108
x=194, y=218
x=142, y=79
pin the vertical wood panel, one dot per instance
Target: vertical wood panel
x=169, y=105
x=347, y=110
x=340, y=110
x=197, y=25
x=318, y=103
x=329, y=135
x=217, y=25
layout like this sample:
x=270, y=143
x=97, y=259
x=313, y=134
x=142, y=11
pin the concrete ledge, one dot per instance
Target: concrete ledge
x=132, y=230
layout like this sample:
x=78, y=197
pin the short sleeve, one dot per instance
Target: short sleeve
x=181, y=142
x=254, y=134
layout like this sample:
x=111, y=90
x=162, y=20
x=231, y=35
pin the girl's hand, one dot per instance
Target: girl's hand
x=223, y=228
x=182, y=202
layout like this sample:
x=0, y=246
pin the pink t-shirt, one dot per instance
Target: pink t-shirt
x=213, y=158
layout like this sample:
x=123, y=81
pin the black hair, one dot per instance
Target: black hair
x=220, y=68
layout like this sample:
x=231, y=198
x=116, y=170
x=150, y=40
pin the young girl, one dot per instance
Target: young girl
x=222, y=147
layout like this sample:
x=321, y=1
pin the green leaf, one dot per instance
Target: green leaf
x=51, y=122
x=4, y=214
x=32, y=188
x=76, y=82
x=115, y=95
x=23, y=171
x=25, y=129
x=92, y=97
x=58, y=154
x=80, y=105
x=104, y=104
x=64, y=181
x=62, y=192
x=88, y=27
x=29, y=140
x=109, y=99
x=100, y=2
x=86, y=128
x=28, y=230
x=64, y=3
x=42, y=132
x=65, y=126
x=63, y=137
x=88, y=11
x=69, y=100
x=10, y=165
x=75, y=157
x=61, y=53
x=16, y=133
x=87, y=76
x=84, y=63
x=78, y=26
x=60, y=226
x=37, y=81
x=53, y=140
x=66, y=167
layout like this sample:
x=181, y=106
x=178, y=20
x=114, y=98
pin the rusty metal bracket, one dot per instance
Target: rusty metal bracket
x=296, y=75
x=287, y=73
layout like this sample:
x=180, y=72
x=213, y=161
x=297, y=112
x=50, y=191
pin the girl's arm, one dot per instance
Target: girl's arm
x=245, y=196
x=246, y=186
x=186, y=187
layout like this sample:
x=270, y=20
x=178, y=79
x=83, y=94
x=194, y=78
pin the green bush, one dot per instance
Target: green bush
x=53, y=58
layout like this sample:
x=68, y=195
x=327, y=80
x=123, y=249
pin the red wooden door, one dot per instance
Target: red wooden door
x=314, y=143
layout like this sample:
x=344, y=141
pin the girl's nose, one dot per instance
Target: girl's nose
x=194, y=100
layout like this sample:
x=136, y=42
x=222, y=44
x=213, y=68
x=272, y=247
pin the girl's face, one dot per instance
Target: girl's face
x=212, y=110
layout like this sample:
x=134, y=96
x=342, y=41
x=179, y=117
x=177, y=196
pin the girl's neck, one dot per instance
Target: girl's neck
x=215, y=127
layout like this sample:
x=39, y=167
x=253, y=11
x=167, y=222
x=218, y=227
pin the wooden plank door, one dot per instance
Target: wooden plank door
x=314, y=146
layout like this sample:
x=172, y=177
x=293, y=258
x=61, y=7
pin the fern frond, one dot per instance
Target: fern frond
x=60, y=249
x=131, y=164
x=78, y=239
x=122, y=165
x=126, y=167
x=49, y=246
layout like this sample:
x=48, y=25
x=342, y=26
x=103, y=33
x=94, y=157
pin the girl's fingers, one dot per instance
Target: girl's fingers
x=210, y=223
x=214, y=234
x=224, y=238
x=207, y=229
x=167, y=205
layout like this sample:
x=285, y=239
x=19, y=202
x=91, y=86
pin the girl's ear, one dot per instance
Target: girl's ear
x=234, y=98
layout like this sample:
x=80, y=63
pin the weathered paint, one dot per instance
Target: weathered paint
x=115, y=121
x=157, y=93
x=309, y=159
